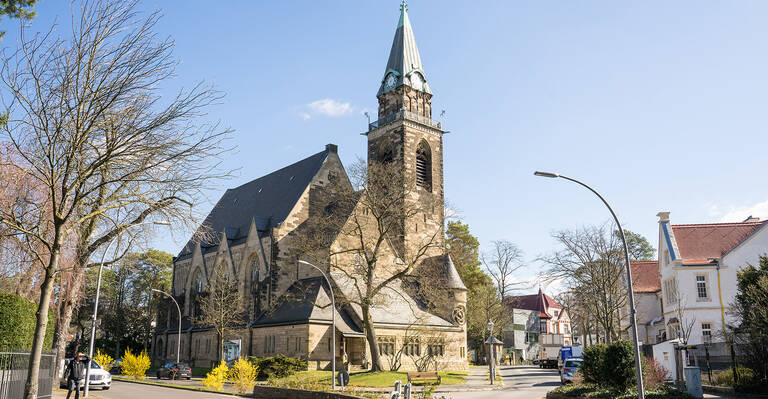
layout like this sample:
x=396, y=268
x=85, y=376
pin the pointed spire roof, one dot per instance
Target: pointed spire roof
x=404, y=60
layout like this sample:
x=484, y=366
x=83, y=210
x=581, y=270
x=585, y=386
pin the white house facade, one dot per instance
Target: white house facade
x=697, y=266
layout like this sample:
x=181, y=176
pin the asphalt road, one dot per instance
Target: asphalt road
x=129, y=390
x=528, y=382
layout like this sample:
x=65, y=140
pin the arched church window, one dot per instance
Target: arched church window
x=198, y=281
x=424, y=166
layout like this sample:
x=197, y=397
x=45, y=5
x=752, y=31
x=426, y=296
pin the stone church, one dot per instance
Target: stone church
x=254, y=236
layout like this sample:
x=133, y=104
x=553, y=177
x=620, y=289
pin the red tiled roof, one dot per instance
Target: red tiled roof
x=540, y=302
x=645, y=276
x=698, y=242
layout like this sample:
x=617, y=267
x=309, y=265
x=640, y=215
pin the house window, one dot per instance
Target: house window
x=670, y=291
x=424, y=166
x=701, y=286
x=436, y=349
x=543, y=327
x=412, y=347
x=706, y=332
x=386, y=345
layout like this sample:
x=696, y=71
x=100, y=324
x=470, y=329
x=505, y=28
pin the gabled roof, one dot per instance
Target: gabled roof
x=645, y=276
x=267, y=201
x=540, y=302
x=404, y=59
x=699, y=243
x=307, y=301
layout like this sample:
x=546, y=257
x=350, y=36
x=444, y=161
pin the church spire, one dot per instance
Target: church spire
x=404, y=64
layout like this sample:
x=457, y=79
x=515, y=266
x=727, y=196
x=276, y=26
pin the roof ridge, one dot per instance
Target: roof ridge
x=280, y=170
x=721, y=224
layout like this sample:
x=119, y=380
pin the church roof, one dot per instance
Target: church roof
x=267, y=201
x=306, y=301
x=453, y=280
x=404, y=59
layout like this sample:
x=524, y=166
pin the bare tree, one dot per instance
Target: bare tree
x=487, y=306
x=591, y=264
x=221, y=305
x=362, y=235
x=86, y=118
x=501, y=263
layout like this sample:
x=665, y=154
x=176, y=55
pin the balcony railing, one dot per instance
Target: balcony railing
x=404, y=114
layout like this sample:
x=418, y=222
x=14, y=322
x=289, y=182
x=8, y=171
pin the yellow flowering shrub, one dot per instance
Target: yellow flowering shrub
x=243, y=375
x=216, y=377
x=105, y=361
x=135, y=366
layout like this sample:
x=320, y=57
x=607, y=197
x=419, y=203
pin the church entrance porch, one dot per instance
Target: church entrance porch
x=354, y=356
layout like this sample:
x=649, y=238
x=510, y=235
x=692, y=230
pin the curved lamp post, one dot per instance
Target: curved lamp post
x=96, y=303
x=178, y=338
x=333, y=322
x=632, y=317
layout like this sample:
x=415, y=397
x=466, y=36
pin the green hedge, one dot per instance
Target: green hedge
x=17, y=323
x=277, y=366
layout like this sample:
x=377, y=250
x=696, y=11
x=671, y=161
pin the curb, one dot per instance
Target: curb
x=731, y=392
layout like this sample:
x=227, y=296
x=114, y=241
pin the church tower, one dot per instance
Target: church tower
x=406, y=135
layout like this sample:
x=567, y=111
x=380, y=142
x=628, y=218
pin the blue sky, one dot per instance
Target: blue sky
x=659, y=105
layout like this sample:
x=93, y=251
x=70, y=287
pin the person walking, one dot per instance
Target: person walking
x=75, y=372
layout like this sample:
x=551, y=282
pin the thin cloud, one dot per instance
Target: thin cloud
x=740, y=213
x=330, y=107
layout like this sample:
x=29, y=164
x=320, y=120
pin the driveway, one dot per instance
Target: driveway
x=523, y=382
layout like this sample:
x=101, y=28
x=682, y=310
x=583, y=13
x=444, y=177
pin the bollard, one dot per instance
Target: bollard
x=693, y=382
x=407, y=391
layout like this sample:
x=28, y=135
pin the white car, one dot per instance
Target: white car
x=99, y=377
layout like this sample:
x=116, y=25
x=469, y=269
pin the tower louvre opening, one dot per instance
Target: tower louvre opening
x=424, y=167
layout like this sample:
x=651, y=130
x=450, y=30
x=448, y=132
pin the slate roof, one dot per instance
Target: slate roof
x=404, y=58
x=539, y=302
x=305, y=301
x=267, y=200
x=698, y=243
x=645, y=276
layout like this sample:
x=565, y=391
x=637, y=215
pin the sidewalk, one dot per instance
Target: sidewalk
x=477, y=380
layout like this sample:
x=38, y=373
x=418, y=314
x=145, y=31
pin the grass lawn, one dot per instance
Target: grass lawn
x=381, y=379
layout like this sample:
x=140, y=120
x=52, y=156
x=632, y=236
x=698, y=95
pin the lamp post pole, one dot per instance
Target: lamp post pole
x=333, y=322
x=96, y=303
x=491, y=362
x=632, y=316
x=178, y=338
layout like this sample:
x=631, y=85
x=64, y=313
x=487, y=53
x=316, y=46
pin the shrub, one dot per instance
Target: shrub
x=18, y=321
x=654, y=374
x=592, y=367
x=135, y=366
x=619, y=365
x=725, y=378
x=105, y=361
x=243, y=375
x=217, y=376
x=278, y=366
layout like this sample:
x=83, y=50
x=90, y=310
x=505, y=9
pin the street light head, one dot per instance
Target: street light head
x=546, y=174
x=490, y=325
x=305, y=262
x=162, y=223
x=156, y=290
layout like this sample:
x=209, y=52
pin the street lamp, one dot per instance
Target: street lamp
x=632, y=317
x=491, y=363
x=96, y=303
x=333, y=322
x=178, y=337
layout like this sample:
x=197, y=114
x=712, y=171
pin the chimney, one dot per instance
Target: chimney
x=332, y=148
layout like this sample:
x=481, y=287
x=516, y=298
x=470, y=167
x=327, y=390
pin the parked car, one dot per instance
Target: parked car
x=535, y=362
x=570, y=367
x=116, y=367
x=99, y=377
x=173, y=371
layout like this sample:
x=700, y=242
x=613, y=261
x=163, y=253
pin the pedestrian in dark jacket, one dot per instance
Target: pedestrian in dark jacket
x=75, y=372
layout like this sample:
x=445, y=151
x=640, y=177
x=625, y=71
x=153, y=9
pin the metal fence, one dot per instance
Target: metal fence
x=14, y=366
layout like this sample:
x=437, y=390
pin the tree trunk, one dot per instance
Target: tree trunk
x=370, y=335
x=46, y=289
x=66, y=310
